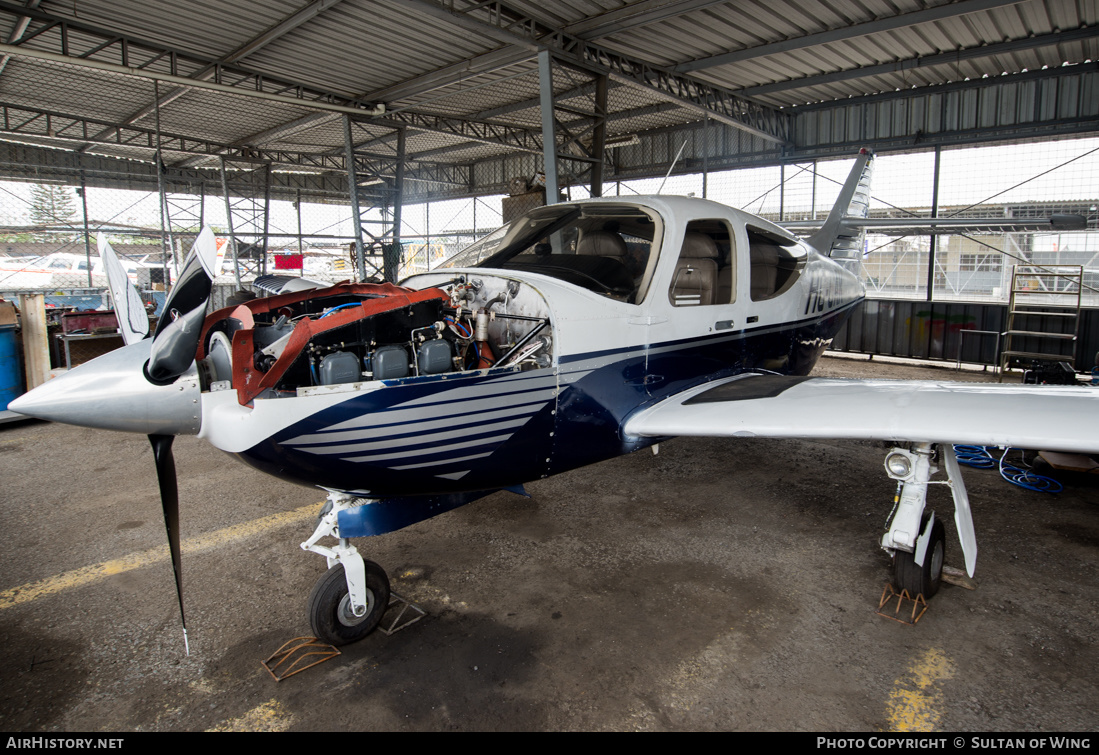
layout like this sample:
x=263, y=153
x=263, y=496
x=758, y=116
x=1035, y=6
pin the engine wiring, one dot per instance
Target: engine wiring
x=981, y=457
x=459, y=329
x=329, y=311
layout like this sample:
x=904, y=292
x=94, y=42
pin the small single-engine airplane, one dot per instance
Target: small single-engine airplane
x=576, y=333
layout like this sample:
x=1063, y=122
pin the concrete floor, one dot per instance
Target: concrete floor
x=719, y=585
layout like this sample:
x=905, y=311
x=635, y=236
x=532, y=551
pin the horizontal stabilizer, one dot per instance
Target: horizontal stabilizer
x=928, y=226
x=269, y=285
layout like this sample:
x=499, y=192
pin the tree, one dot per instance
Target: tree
x=52, y=205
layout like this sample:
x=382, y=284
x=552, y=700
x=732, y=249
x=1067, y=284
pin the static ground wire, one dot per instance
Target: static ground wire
x=981, y=457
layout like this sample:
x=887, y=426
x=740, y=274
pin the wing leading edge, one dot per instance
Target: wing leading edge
x=1048, y=418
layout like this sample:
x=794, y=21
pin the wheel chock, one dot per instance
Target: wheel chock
x=958, y=578
x=301, y=653
x=400, y=621
x=887, y=596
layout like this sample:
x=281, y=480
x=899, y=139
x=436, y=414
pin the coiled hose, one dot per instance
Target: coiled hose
x=982, y=458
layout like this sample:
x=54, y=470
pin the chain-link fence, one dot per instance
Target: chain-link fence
x=1009, y=182
x=433, y=231
x=48, y=231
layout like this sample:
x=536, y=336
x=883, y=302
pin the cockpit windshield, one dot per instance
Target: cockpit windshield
x=605, y=248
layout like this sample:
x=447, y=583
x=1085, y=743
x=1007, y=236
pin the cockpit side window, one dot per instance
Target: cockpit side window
x=706, y=271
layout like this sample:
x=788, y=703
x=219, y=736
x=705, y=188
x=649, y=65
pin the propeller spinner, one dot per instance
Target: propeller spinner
x=150, y=385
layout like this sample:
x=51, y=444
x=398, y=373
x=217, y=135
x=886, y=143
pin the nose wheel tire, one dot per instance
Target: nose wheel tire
x=330, y=613
x=922, y=580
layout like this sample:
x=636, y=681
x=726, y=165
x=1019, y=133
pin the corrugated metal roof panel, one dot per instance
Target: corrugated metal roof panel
x=434, y=63
x=209, y=27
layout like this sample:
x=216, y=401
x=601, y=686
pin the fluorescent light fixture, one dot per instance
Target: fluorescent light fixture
x=625, y=140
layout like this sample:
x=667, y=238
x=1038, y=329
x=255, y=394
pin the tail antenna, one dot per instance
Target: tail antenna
x=672, y=166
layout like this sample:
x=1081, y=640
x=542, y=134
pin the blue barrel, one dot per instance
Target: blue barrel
x=11, y=385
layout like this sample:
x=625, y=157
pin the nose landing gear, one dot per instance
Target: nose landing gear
x=348, y=602
x=332, y=611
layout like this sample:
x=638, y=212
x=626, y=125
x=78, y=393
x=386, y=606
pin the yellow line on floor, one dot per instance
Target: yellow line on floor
x=915, y=704
x=271, y=716
x=88, y=574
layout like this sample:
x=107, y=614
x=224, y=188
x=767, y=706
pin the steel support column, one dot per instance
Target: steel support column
x=934, y=214
x=229, y=220
x=574, y=120
x=549, y=138
x=599, y=136
x=353, y=193
x=393, y=249
x=166, y=241
x=87, y=234
x=247, y=213
x=375, y=188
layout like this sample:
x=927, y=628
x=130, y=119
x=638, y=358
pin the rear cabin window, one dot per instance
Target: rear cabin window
x=705, y=273
x=776, y=263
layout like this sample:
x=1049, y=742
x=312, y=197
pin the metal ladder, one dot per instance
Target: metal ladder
x=1052, y=293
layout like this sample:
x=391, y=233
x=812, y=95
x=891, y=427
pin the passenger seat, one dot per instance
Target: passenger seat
x=696, y=272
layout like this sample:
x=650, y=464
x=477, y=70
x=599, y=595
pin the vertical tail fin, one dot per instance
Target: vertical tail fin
x=835, y=238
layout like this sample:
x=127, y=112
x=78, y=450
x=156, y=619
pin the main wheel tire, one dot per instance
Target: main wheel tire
x=330, y=613
x=922, y=580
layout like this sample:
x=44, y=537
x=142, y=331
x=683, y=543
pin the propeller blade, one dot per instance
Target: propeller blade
x=169, y=501
x=133, y=321
x=176, y=338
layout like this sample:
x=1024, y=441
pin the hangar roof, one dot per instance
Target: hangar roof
x=272, y=78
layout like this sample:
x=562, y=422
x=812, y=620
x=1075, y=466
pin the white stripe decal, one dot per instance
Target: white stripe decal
x=482, y=390
x=395, y=444
x=494, y=441
x=454, y=421
x=444, y=463
x=458, y=408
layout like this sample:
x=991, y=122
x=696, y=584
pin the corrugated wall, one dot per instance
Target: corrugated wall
x=1036, y=104
x=933, y=330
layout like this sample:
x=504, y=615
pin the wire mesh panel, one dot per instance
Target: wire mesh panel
x=1025, y=182
x=49, y=226
x=1020, y=181
x=49, y=241
x=432, y=232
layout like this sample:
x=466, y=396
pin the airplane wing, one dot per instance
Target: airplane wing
x=1034, y=417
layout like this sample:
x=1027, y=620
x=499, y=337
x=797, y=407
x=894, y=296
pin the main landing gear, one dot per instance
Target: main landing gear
x=916, y=539
x=348, y=602
x=925, y=577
